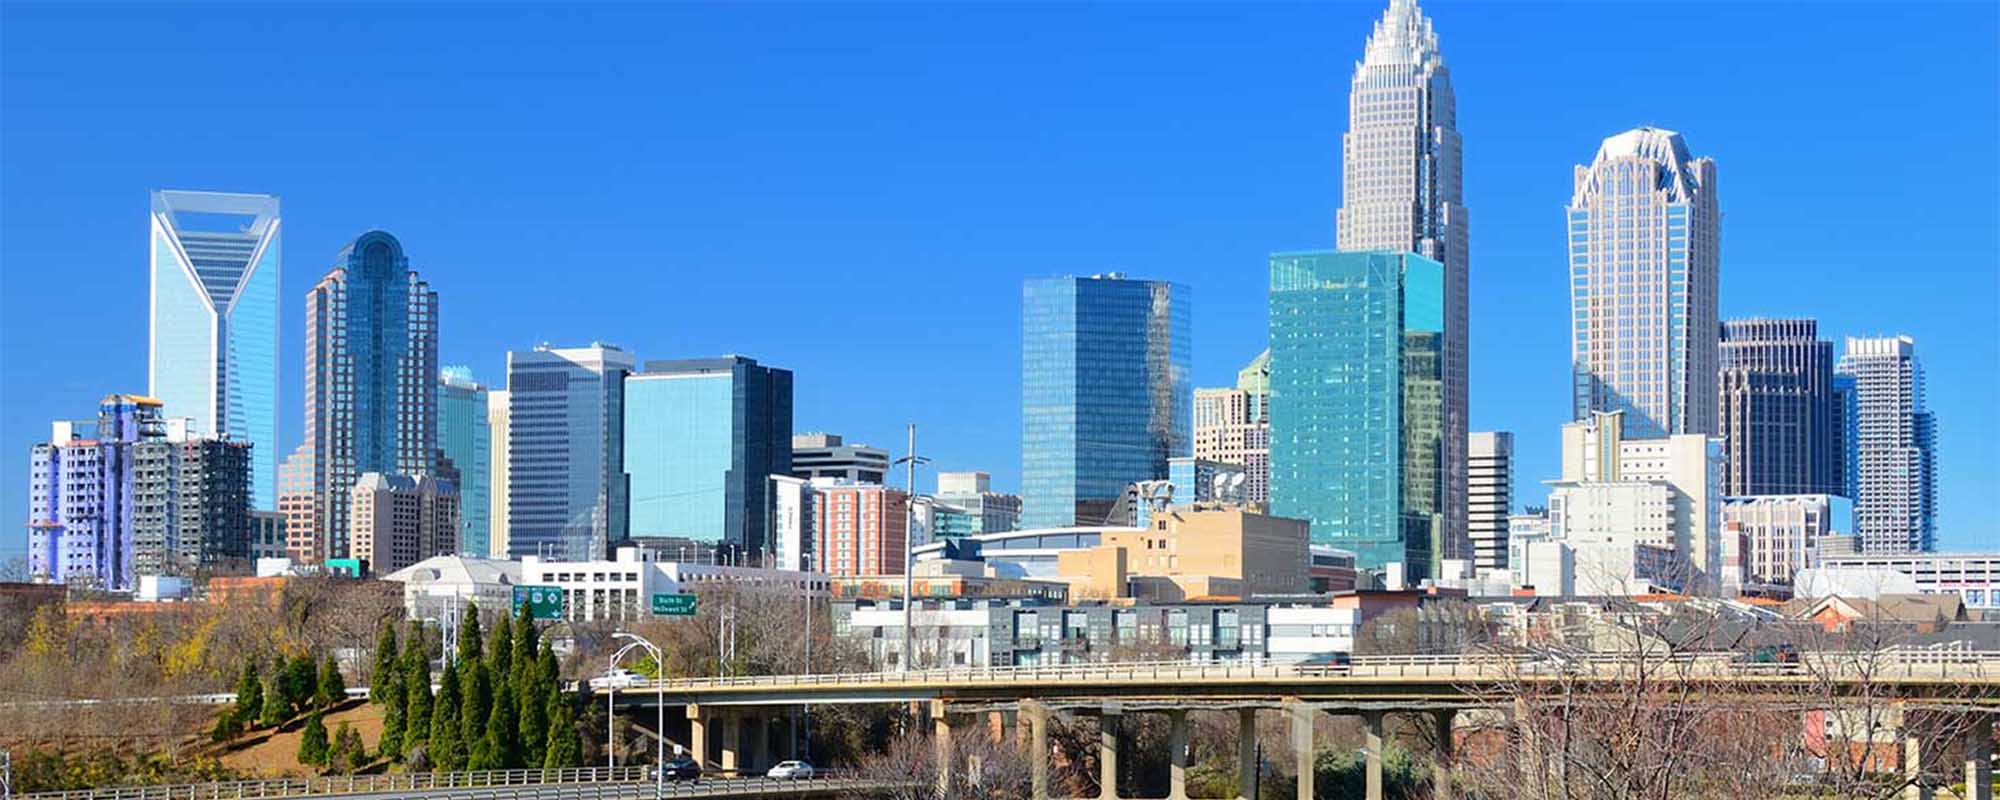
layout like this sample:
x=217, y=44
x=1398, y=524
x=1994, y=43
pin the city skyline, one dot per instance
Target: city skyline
x=968, y=434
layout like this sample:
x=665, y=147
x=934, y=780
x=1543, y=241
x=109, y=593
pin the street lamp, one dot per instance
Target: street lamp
x=634, y=640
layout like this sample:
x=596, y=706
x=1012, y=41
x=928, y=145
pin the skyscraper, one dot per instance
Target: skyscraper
x=1233, y=426
x=465, y=437
x=85, y=489
x=566, y=482
x=1357, y=402
x=498, y=425
x=1779, y=421
x=1894, y=447
x=399, y=520
x=213, y=353
x=1105, y=370
x=702, y=439
x=1643, y=263
x=370, y=389
x=1401, y=191
x=1489, y=496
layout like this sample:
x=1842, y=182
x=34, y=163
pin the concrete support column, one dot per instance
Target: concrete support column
x=791, y=749
x=1038, y=749
x=732, y=738
x=1372, y=724
x=698, y=720
x=1177, y=754
x=760, y=742
x=1302, y=747
x=1446, y=753
x=1246, y=753
x=941, y=746
x=1979, y=758
x=1107, y=752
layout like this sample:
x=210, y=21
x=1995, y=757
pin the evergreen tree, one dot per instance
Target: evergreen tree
x=446, y=746
x=228, y=726
x=386, y=659
x=273, y=710
x=388, y=692
x=500, y=647
x=301, y=679
x=564, y=751
x=348, y=754
x=534, y=718
x=312, y=742
x=249, y=694
x=526, y=643
x=332, y=690
x=469, y=634
x=503, y=726
x=475, y=683
x=416, y=700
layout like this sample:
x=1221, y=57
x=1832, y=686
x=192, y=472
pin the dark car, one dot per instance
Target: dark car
x=680, y=769
x=1774, y=654
x=1328, y=660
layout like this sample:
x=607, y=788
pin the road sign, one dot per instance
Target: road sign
x=673, y=605
x=543, y=602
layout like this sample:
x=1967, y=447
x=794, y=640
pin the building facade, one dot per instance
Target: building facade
x=827, y=455
x=191, y=504
x=1106, y=363
x=1357, y=402
x=400, y=520
x=1893, y=447
x=212, y=355
x=370, y=390
x=968, y=499
x=1779, y=422
x=465, y=438
x=81, y=499
x=702, y=438
x=498, y=469
x=566, y=483
x=1233, y=426
x=859, y=528
x=791, y=534
x=1619, y=483
x=1489, y=496
x=1644, y=259
x=1780, y=534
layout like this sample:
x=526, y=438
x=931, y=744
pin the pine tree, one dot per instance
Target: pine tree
x=301, y=679
x=249, y=695
x=348, y=753
x=446, y=746
x=475, y=682
x=416, y=700
x=386, y=658
x=332, y=691
x=468, y=635
x=228, y=726
x=526, y=642
x=500, y=648
x=534, y=717
x=503, y=726
x=312, y=742
x=388, y=692
x=564, y=751
x=273, y=709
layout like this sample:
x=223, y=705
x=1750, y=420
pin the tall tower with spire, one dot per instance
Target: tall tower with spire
x=1401, y=190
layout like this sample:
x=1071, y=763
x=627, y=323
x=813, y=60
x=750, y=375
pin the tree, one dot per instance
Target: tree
x=446, y=746
x=385, y=658
x=500, y=648
x=534, y=718
x=228, y=726
x=503, y=726
x=273, y=709
x=527, y=644
x=332, y=690
x=388, y=691
x=312, y=741
x=475, y=684
x=468, y=635
x=301, y=678
x=564, y=751
x=249, y=694
x=347, y=754
x=416, y=690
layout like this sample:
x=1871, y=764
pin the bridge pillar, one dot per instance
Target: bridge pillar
x=760, y=741
x=1302, y=746
x=1107, y=752
x=1978, y=758
x=1177, y=754
x=941, y=746
x=732, y=739
x=1371, y=722
x=1246, y=753
x=1038, y=749
x=1446, y=747
x=698, y=720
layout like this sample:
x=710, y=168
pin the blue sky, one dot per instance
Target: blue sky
x=856, y=192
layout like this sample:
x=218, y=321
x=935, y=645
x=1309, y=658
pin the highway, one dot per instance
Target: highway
x=628, y=784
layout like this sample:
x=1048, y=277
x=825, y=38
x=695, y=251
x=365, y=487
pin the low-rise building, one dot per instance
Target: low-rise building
x=1192, y=552
x=441, y=587
x=967, y=504
x=1973, y=577
x=1779, y=535
x=622, y=587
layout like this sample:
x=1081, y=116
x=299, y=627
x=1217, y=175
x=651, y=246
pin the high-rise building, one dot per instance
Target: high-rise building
x=1780, y=534
x=1644, y=256
x=566, y=482
x=1233, y=426
x=400, y=520
x=827, y=455
x=213, y=353
x=83, y=487
x=1357, y=403
x=1679, y=479
x=370, y=390
x=791, y=523
x=1402, y=191
x=968, y=505
x=191, y=503
x=498, y=472
x=1779, y=421
x=1106, y=363
x=702, y=439
x=465, y=437
x=859, y=528
x=1893, y=449
x=1489, y=496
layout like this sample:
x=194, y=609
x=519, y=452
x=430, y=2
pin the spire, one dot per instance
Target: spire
x=1402, y=36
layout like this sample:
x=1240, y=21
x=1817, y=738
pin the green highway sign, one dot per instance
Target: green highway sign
x=673, y=605
x=543, y=602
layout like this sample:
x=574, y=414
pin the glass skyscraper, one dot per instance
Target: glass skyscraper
x=1358, y=433
x=465, y=439
x=1105, y=388
x=1892, y=446
x=213, y=351
x=1778, y=417
x=1643, y=265
x=566, y=483
x=1402, y=191
x=702, y=439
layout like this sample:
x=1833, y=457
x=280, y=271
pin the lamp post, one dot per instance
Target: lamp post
x=633, y=641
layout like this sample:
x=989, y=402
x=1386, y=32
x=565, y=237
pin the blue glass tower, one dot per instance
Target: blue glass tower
x=1357, y=402
x=566, y=483
x=1105, y=390
x=465, y=439
x=702, y=439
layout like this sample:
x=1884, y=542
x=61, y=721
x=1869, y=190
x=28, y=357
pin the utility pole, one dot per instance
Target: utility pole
x=909, y=550
x=6, y=773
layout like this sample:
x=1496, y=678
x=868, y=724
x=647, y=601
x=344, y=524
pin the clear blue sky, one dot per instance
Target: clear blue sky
x=856, y=192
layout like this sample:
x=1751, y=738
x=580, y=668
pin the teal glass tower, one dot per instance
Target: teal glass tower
x=1357, y=402
x=465, y=438
x=702, y=439
x=1105, y=392
x=213, y=351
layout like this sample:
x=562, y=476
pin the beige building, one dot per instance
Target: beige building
x=396, y=521
x=1192, y=551
x=1596, y=456
x=497, y=418
x=1233, y=426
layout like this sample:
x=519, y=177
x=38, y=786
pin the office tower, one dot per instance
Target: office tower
x=967, y=505
x=1847, y=407
x=1357, y=403
x=1105, y=364
x=1643, y=263
x=465, y=438
x=859, y=528
x=1233, y=426
x=213, y=353
x=370, y=390
x=400, y=520
x=191, y=504
x=1779, y=421
x=267, y=535
x=826, y=455
x=1780, y=534
x=1894, y=447
x=566, y=483
x=1603, y=470
x=1401, y=191
x=498, y=472
x=1489, y=458
x=702, y=438
x=81, y=499
x=791, y=522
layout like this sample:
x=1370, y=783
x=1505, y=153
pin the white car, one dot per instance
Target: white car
x=616, y=679
x=791, y=769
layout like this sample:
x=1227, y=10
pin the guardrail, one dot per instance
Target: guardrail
x=355, y=784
